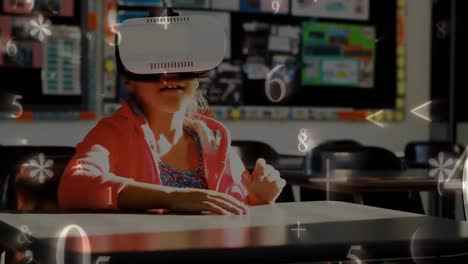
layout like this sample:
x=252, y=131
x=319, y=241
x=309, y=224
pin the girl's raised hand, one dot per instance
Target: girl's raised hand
x=264, y=184
x=190, y=200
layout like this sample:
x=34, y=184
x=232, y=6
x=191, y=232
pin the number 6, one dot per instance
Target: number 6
x=279, y=81
x=17, y=104
x=11, y=48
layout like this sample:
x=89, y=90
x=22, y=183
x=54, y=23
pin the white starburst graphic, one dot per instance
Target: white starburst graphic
x=441, y=168
x=245, y=51
x=41, y=168
x=40, y=28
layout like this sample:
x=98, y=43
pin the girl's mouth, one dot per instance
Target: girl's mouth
x=172, y=88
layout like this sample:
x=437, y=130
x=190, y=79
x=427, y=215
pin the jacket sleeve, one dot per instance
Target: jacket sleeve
x=87, y=182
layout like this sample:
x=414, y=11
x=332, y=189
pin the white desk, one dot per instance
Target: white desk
x=267, y=234
x=50, y=225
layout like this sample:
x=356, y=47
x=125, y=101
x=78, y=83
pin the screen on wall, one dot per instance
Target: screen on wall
x=338, y=55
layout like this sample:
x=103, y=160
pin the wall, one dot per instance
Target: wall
x=283, y=135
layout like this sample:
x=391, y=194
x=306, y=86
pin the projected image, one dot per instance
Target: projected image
x=338, y=55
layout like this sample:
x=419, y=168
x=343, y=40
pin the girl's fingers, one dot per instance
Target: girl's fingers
x=280, y=183
x=232, y=201
x=208, y=206
x=268, y=170
x=273, y=176
x=246, y=177
x=226, y=205
x=259, y=169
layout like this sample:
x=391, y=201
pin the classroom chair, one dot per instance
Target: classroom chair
x=365, y=158
x=29, y=177
x=418, y=153
x=312, y=164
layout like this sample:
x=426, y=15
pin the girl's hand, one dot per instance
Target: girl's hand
x=190, y=200
x=264, y=184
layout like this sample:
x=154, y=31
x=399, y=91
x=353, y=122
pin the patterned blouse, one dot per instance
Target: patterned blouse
x=185, y=179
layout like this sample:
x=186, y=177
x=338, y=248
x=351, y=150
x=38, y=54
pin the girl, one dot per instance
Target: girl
x=156, y=153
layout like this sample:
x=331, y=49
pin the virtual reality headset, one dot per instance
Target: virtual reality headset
x=179, y=46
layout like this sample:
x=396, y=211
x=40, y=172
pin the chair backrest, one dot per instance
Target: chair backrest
x=339, y=143
x=351, y=158
x=336, y=150
x=250, y=151
x=418, y=154
x=30, y=176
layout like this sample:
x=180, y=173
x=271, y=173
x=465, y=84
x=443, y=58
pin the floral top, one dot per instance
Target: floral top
x=185, y=179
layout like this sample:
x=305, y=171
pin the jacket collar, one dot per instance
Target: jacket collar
x=215, y=139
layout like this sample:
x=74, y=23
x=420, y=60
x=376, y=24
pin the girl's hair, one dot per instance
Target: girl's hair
x=199, y=104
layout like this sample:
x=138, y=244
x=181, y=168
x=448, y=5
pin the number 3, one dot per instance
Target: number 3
x=18, y=105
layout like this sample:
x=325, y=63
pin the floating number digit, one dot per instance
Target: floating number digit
x=15, y=102
x=351, y=255
x=112, y=21
x=116, y=32
x=302, y=137
x=110, y=196
x=2, y=258
x=442, y=29
x=11, y=48
x=86, y=247
x=270, y=81
x=30, y=4
x=23, y=237
x=29, y=257
x=103, y=259
x=275, y=5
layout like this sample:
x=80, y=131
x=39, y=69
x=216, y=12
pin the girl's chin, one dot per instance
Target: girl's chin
x=175, y=106
x=172, y=92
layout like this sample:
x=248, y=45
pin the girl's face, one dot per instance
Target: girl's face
x=169, y=95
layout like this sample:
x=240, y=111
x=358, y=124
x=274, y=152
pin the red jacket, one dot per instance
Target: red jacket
x=122, y=148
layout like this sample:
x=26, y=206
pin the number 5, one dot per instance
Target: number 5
x=353, y=257
x=18, y=105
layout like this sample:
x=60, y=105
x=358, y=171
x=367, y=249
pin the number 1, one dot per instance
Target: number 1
x=110, y=195
x=2, y=258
